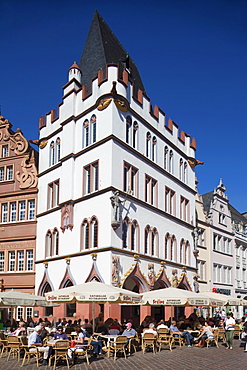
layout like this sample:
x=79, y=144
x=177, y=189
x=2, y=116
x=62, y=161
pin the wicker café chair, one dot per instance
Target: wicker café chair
x=148, y=341
x=222, y=335
x=61, y=352
x=118, y=346
x=164, y=338
x=177, y=338
x=29, y=352
x=82, y=350
x=3, y=344
x=214, y=339
x=14, y=346
x=237, y=332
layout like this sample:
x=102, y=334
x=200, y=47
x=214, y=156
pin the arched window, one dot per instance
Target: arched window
x=52, y=153
x=46, y=289
x=148, y=138
x=173, y=249
x=146, y=239
x=86, y=133
x=58, y=149
x=165, y=157
x=93, y=127
x=187, y=253
x=154, y=142
x=166, y=246
x=185, y=173
x=125, y=233
x=180, y=169
x=135, y=132
x=85, y=234
x=134, y=243
x=128, y=126
x=181, y=251
x=55, y=242
x=70, y=307
x=94, y=232
x=48, y=244
x=154, y=243
x=170, y=169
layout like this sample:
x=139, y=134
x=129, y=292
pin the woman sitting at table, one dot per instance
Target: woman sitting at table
x=21, y=330
x=60, y=334
x=83, y=337
x=205, y=333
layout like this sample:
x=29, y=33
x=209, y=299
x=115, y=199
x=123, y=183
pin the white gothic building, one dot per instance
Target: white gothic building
x=116, y=184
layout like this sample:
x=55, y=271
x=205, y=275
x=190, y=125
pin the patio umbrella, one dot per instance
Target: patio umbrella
x=93, y=292
x=177, y=297
x=13, y=298
x=228, y=300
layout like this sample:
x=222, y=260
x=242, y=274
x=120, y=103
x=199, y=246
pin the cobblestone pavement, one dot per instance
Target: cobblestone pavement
x=180, y=358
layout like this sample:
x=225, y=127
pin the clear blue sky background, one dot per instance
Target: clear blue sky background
x=191, y=54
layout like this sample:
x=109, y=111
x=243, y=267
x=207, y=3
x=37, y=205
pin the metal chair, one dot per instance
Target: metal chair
x=118, y=346
x=148, y=341
x=164, y=338
x=29, y=351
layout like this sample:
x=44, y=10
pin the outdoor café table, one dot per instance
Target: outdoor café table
x=194, y=333
x=109, y=338
x=52, y=342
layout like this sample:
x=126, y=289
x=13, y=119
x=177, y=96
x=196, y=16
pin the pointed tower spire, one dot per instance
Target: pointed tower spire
x=102, y=48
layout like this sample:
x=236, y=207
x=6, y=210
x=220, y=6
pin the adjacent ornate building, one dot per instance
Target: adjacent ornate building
x=18, y=197
x=116, y=184
x=222, y=243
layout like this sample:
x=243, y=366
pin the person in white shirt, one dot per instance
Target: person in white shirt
x=161, y=325
x=35, y=340
x=151, y=329
x=229, y=326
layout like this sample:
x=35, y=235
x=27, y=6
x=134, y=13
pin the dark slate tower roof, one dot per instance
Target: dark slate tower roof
x=101, y=48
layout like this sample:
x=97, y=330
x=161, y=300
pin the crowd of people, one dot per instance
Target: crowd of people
x=40, y=329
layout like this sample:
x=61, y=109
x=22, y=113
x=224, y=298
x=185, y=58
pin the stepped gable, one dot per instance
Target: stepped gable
x=207, y=198
x=102, y=48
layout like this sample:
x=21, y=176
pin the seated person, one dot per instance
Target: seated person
x=129, y=332
x=151, y=329
x=186, y=325
x=185, y=334
x=244, y=338
x=161, y=325
x=60, y=334
x=35, y=340
x=206, y=332
x=114, y=328
x=101, y=328
x=88, y=327
x=21, y=330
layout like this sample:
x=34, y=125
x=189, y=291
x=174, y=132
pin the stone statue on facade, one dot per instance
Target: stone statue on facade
x=151, y=274
x=174, y=278
x=115, y=270
x=116, y=205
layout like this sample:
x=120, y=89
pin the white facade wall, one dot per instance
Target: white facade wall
x=111, y=151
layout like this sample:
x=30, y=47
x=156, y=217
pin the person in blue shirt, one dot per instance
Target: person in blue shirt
x=185, y=334
x=35, y=340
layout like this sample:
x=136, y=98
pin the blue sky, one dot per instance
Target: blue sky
x=191, y=54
